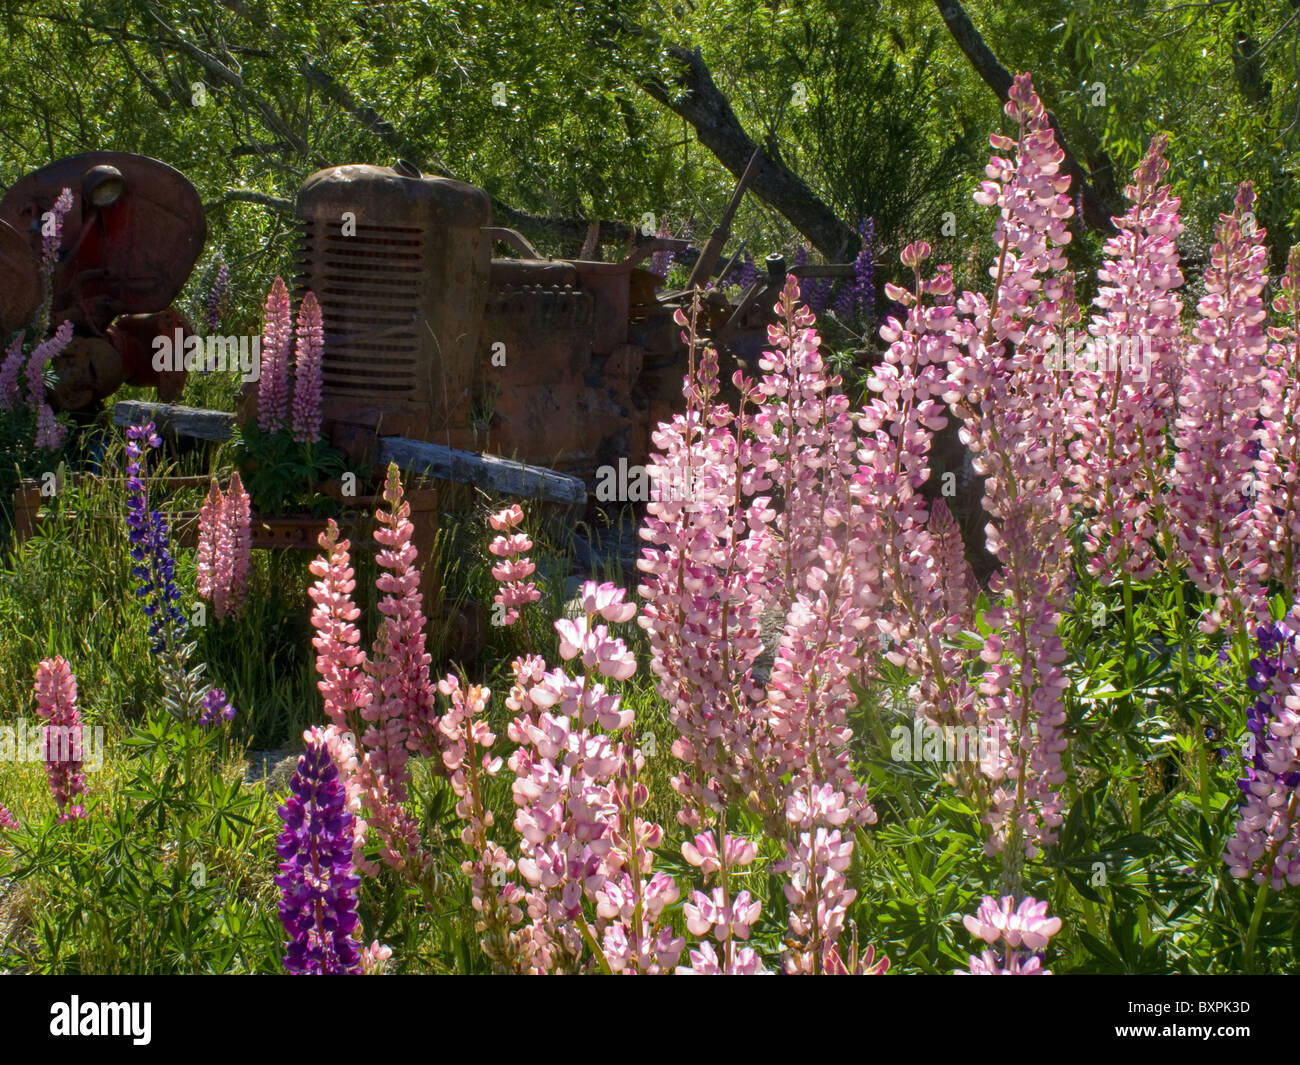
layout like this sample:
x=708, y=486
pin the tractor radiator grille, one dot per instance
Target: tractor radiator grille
x=372, y=288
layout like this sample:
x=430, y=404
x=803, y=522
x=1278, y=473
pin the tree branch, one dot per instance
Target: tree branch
x=708, y=110
x=1096, y=212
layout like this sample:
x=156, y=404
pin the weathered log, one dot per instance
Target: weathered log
x=487, y=471
x=413, y=456
x=196, y=422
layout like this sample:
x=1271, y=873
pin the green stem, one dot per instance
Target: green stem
x=590, y=937
x=1256, y=922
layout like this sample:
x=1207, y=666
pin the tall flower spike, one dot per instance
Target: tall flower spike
x=10, y=370
x=210, y=519
x=307, y=371
x=1219, y=402
x=155, y=570
x=40, y=358
x=404, y=709
x=467, y=743
x=237, y=519
x=1276, y=533
x=1122, y=398
x=61, y=744
x=318, y=884
x=216, y=304
x=516, y=567
x=1005, y=389
x=340, y=661
x=52, y=230
x=277, y=340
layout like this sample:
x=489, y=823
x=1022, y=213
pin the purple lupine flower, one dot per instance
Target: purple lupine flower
x=864, y=269
x=748, y=272
x=154, y=569
x=52, y=233
x=1267, y=839
x=9, y=371
x=46, y=350
x=216, y=707
x=217, y=296
x=660, y=261
x=317, y=880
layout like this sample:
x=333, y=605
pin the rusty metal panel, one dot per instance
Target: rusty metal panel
x=20, y=290
x=133, y=235
x=400, y=266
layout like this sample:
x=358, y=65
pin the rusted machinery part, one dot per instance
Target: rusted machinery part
x=513, y=238
x=133, y=337
x=88, y=370
x=20, y=289
x=400, y=264
x=133, y=235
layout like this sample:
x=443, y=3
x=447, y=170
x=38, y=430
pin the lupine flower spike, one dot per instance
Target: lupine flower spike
x=61, y=743
x=318, y=884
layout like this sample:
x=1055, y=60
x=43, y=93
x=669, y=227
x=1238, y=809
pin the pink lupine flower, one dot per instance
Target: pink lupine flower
x=307, y=371
x=1004, y=388
x=1121, y=408
x=374, y=958
x=607, y=601
x=466, y=753
x=1219, y=402
x=713, y=915
x=210, y=518
x=237, y=518
x=508, y=518
x=1026, y=923
x=703, y=853
x=745, y=961
x=56, y=701
x=584, y=844
x=816, y=889
x=1024, y=930
x=357, y=692
x=699, y=584
x=8, y=822
x=1275, y=535
x=403, y=708
x=10, y=370
x=513, y=573
x=277, y=340
x=956, y=581
x=599, y=650
x=340, y=661
x=225, y=547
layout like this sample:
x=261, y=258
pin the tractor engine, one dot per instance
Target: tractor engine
x=429, y=337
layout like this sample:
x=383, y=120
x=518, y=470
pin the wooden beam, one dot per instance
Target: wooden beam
x=413, y=456
x=183, y=421
x=487, y=471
